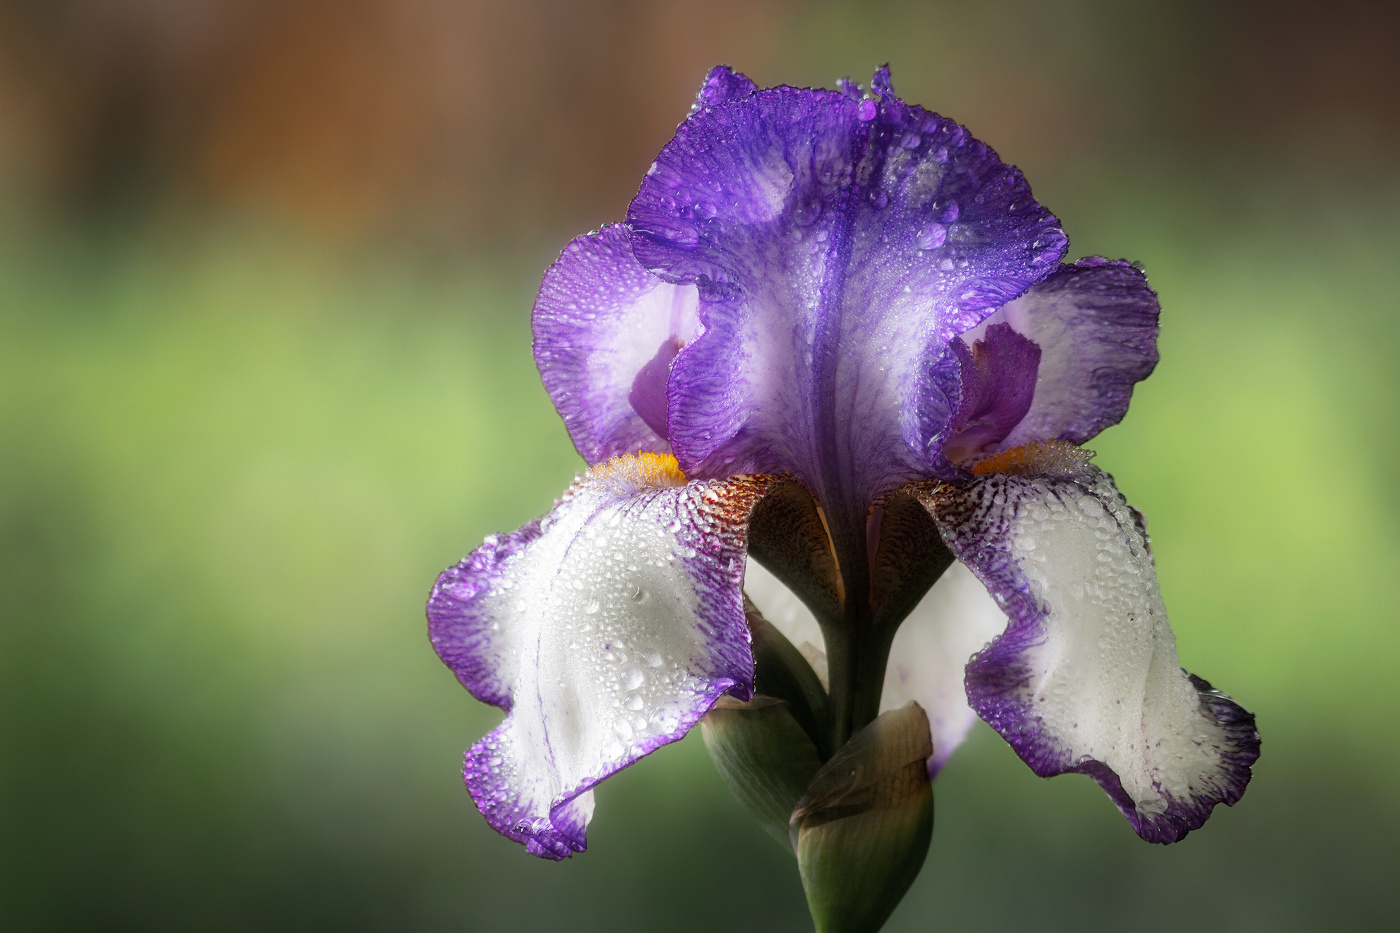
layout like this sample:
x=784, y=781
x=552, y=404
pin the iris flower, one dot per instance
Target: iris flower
x=836, y=332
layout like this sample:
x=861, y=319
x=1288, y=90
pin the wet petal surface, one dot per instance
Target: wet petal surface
x=1086, y=677
x=1095, y=323
x=605, y=631
x=838, y=243
x=955, y=620
x=606, y=332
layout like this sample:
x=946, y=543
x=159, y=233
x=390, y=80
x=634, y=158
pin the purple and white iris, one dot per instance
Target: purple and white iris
x=850, y=301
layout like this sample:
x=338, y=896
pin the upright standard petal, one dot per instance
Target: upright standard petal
x=1095, y=323
x=606, y=332
x=604, y=631
x=956, y=619
x=1086, y=677
x=839, y=244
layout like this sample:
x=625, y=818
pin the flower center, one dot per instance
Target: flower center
x=632, y=472
x=1035, y=458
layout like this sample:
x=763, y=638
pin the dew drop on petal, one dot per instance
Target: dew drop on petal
x=807, y=212
x=931, y=236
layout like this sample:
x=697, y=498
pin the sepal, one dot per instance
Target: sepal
x=862, y=829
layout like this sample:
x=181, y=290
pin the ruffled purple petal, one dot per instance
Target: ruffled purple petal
x=606, y=331
x=1096, y=325
x=839, y=244
x=1086, y=677
x=605, y=631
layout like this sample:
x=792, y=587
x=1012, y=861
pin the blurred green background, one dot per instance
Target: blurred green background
x=265, y=276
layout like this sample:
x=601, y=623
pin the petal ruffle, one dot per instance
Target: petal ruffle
x=1096, y=325
x=604, y=631
x=1086, y=677
x=839, y=244
x=606, y=331
x=721, y=84
x=955, y=619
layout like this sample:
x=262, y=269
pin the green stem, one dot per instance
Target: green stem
x=857, y=650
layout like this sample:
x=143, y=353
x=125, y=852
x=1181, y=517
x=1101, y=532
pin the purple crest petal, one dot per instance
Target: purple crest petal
x=996, y=384
x=1086, y=678
x=1096, y=325
x=600, y=322
x=648, y=395
x=838, y=245
x=605, y=631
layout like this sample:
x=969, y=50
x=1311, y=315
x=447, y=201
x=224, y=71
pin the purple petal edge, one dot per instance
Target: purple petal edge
x=721, y=84
x=998, y=677
x=605, y=331
x=459, y=625
x=1096, y=324
x=564, y=831
x=531, y=777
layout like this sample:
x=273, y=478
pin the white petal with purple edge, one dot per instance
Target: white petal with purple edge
x=954, y=620
x=1086, y=677
x=605, y=631
x=606, y=331
x=1095, y=323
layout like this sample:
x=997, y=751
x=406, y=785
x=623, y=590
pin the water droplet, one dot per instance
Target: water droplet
x=807, y=211
x=940, y=154
x=944, y=210
x=591, y=606
x=634, y=679
x=911, y=140
x=867, y=110
x=1046, y=247
x=931, y=236
x=879, y=199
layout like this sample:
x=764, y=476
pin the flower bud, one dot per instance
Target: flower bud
x=763, y=755
x=862, y=828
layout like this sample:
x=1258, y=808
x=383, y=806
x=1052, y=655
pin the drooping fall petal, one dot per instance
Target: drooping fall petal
x=604, y=631
x=1086, y=676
